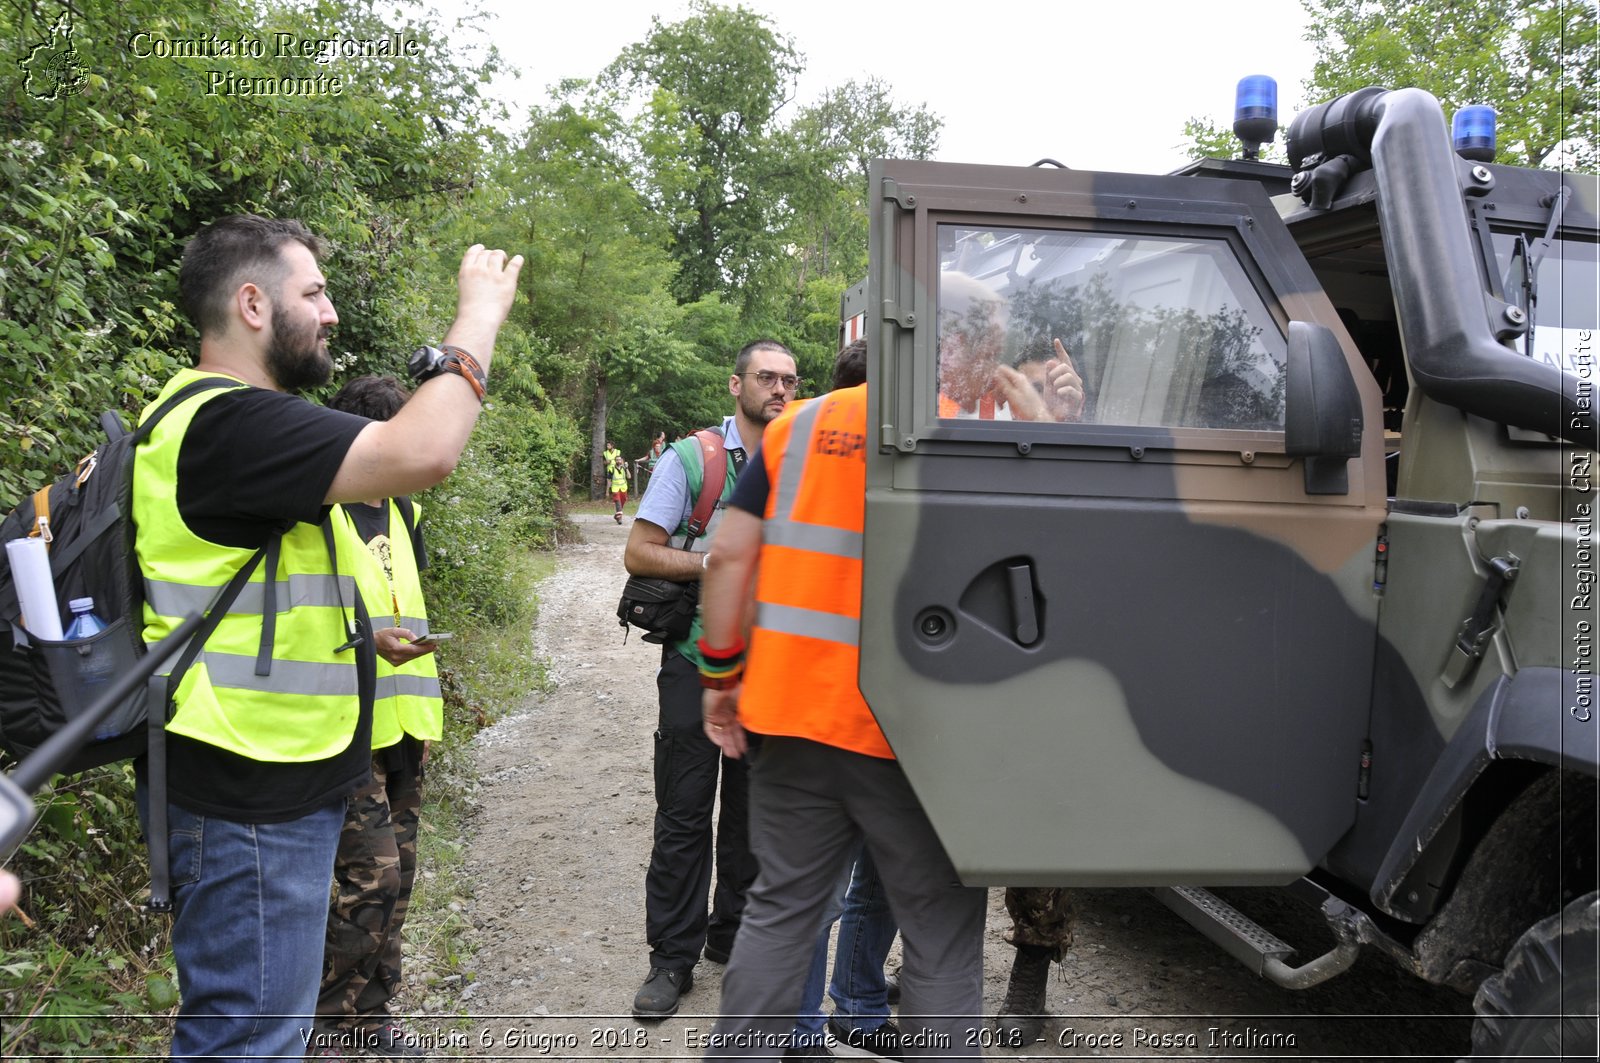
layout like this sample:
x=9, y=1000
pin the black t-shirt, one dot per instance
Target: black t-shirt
x=373, y=521
x=750, y=493
x=253, y=462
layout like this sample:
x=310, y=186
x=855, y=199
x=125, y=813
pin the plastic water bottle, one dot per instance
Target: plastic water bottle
x=84, y=622
x=94, y=668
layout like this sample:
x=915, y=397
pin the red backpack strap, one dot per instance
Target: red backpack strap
x=714, y=473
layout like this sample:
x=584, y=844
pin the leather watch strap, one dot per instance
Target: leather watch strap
x=462, y=363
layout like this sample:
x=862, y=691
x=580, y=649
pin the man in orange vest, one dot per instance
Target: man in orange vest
x=826, y=778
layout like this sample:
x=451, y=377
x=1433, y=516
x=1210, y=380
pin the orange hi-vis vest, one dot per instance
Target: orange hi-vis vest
x=805, y=649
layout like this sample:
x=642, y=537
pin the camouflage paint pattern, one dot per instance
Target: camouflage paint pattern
x=373, y=874
x=1181, y=655
x=1132, y=706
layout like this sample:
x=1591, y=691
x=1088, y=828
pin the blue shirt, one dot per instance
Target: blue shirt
x=666, y=502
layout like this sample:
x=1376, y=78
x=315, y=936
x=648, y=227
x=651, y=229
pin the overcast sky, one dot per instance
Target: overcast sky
x=1098, y=86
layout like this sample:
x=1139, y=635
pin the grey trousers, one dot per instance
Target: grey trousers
x=810, y=806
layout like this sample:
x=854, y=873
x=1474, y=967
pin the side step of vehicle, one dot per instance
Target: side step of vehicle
x=1252, y=944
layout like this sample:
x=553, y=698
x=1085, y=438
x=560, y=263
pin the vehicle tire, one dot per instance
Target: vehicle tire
x=1550, y=972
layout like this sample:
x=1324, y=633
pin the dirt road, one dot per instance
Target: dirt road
x=562, y=836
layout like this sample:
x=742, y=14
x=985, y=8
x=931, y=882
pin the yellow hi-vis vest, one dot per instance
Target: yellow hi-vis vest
x=408, y=699
x=306, y=706
x=617, y=469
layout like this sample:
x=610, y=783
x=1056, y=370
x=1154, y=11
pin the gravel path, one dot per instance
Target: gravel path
x=562, y=835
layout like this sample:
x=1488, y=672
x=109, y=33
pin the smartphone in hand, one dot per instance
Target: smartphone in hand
x=435, y=636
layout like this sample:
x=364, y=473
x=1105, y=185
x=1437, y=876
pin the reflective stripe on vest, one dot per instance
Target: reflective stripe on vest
x=180, y=599
x=307, y=707
x=812, y=623
x=287, y=677
x=397, y=685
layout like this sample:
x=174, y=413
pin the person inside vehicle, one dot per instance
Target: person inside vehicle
x=975, y=379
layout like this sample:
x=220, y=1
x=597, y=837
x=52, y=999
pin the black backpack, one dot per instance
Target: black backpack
x=87, y=519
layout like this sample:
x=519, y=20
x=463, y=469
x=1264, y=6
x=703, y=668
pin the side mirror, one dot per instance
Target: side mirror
x=1322, y=409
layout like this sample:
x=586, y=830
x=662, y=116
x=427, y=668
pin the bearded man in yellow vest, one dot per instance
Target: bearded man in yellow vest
x=271, y=727
x=825, y=778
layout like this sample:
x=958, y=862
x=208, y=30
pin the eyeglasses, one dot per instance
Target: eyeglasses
x=767, y=379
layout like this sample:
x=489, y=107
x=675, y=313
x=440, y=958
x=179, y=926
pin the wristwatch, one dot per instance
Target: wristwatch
x=428, y=362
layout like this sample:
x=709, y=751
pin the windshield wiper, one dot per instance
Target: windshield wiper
x=1532, y=256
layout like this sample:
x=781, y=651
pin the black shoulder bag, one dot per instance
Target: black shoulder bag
x=662, y=608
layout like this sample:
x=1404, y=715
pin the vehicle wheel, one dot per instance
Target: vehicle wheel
x=1550, y=977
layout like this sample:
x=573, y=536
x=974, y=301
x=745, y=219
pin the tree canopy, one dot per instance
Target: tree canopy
x=112, y=170
x=1535, y=61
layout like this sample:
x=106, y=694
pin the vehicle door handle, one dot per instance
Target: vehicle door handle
x=1024, y=609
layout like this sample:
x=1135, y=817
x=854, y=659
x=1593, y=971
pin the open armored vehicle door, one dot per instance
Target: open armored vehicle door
x=1134, y=646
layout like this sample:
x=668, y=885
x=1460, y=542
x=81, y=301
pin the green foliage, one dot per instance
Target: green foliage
x=827, y=206
x=108, y=177
x=92, y=954
x=500, y=501
x=762, y=222
x=714, y=84
x=1210, y=140
x=604, y=306
x=1534, y=61
x=837, y=136
x=108, y=182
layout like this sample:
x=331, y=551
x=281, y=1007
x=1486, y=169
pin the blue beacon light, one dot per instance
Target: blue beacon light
x=1255, y=113
x=1472, y=132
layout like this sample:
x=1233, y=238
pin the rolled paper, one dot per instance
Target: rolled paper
x=36, y=591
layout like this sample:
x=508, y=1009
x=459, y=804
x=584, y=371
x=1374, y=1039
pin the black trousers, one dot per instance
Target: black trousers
x=687, y=767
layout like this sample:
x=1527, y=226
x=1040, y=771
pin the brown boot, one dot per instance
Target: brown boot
x=1021, y=1018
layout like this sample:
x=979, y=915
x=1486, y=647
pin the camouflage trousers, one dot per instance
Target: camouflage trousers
x=372, y=877
x=1041, y=915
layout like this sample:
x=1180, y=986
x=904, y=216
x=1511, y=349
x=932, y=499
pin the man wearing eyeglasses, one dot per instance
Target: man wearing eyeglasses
x=687, y=763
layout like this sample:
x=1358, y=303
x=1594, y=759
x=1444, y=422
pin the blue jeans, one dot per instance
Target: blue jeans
x=866, y=931
x=250, y=912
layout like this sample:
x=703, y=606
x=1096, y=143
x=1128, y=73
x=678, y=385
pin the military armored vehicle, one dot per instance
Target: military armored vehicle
x=1303, y=593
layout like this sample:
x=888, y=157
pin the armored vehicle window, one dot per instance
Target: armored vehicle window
x=1164, y=332
x=1564, y=287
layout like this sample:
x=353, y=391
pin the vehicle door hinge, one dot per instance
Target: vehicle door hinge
x=891, y=190
x=1472, y=638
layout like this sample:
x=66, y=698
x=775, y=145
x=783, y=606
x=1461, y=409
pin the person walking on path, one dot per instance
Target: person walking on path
x=616, y=477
